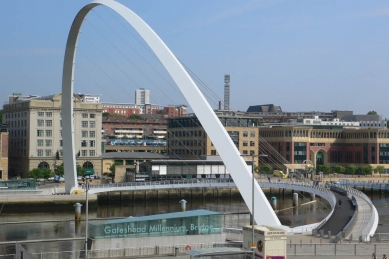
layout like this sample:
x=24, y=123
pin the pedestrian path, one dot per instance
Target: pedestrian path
x=341, y=215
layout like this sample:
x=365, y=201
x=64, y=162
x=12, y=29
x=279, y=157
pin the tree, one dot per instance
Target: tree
x=351, y=169
x=47, y=173
x=35, y=173
x=112, y=169
x=80, y=170
x=372, y=112
x=326, y=169
x=106, y=114
x=59, y=170
x=339, y=169
x=367, y=169
x=266, y=169
x=379, y=169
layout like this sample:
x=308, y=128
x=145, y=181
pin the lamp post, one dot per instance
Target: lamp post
x=86, y=215
x=252, y=200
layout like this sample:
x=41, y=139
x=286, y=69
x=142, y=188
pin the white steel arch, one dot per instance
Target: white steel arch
x=230, y=155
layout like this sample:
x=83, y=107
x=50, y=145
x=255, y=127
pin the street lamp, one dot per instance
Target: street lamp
x=87, y=185
x=252, y=199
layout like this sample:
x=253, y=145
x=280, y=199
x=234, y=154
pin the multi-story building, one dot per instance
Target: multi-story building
x=187, y=138
x=329, y=144
x=123, y=127
x=172, y=111
x=128, y=109
x=3, y=152
x=142, y=96
x=35, y=133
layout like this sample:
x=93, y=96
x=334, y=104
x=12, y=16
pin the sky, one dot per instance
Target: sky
x=300, y=55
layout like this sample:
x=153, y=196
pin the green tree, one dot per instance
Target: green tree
x=367, y=169
x=339, y=169
x=266, y=169
x=351, y=169
x=112, y=169
x=47, y=173
x=379, y=169
x=372, y=112
x=106, y=114
x=59, y=170
x=35, y=173
x=80, y=170
x=326, y=169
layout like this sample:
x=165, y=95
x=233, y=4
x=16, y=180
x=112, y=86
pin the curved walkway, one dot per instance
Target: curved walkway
x=341, y=216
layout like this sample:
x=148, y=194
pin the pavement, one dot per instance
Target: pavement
x=341, y=216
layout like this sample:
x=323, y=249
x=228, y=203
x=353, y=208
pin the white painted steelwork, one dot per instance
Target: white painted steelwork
x=235, y=164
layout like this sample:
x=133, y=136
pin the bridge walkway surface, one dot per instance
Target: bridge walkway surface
x=341, y=216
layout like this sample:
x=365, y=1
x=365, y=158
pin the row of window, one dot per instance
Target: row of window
x=320, y=134
x=192, y=133
x=86, y=115
x=186, y=143
x=48, y=152
x=17, y=115
x=186, y=152
x=92, y=124
x=42, y=114
x=49, y=123
x=245, y=143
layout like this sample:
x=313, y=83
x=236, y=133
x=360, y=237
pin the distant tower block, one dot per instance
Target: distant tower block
x=226, y=92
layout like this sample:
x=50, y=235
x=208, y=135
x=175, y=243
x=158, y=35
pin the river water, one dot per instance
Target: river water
x=62, y=223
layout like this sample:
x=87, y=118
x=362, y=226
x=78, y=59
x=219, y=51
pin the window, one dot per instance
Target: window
x=49, y=133
x=85, y=115
x=48, y=152
x=84, y=134
x=213, y=152
x=92, y=124
x=39, y=152
x=60, y=143
x=84, y=152
x=83, y=143
x=91, y=143
x=60, y=133
x=39, y=142
x=91, y=153
x=92, y=115
x=245, y=143
x=245, y=134
x=60, y=123
x=49, y=123
x=41, y=114
x=252, y=152
x=252, y=133
x=49, y=114
x=252, y=143
x=41, y=123
x=244, y=152
x=48, y=142
x=84, y=124
x=61, y=152
x=39, y=133
x=92, y=134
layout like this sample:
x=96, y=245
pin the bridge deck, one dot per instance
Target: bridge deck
x=341, y=216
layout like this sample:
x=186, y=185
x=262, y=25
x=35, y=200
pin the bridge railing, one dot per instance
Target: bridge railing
x=161, y=183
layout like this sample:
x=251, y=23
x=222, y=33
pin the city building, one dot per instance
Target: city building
x=142, y=96
x=4, y=152
x=35, y=132
x=128, y=109
x=172, y=111
x=329, y=142
x=187, y=138
x=131, y=128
